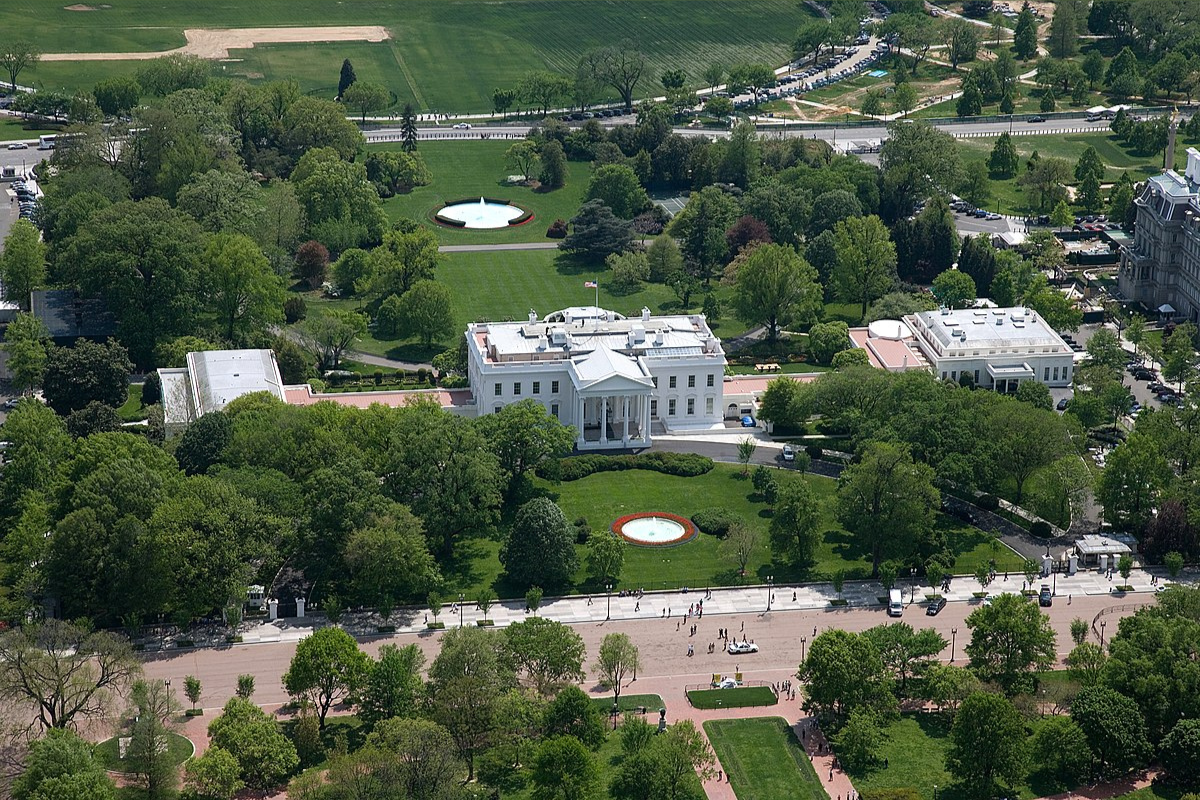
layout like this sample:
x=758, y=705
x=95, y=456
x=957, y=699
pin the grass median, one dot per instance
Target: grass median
x=735, y=697
x=764, y=760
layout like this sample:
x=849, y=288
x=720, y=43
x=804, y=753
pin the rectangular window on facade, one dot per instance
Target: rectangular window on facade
x=691, y=406
x=1046, y=374
x=711, y=378
x=671, y=383
x=954, y=375
x=554, y=409
x=554, y=387
x=537, y=387
x=1056, y=373
x=708, y=405
x=977, y=376
x=943, y=375
x=691, y=381
x=654, y=408
x=671, y=407
x=517, y=388
x=654, y=380
x=499, y=390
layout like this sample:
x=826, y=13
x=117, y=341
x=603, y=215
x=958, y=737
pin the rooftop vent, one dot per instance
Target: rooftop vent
x=558, y=336
x=658, y=338
x=532, y=315
x=645, y=314
x=543, y=342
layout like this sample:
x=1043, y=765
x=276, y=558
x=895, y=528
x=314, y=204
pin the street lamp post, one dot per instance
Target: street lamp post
x=953, y=638
x=803, y=642
x=912, y=580
x=1103, y=624
x=608, y=592
x=461, y=599
x=770, y=578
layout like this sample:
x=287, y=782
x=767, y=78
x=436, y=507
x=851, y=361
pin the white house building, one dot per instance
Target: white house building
x=998, y=347
x=613, y=379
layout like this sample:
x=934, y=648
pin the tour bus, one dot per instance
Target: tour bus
x=46, y=141
x=895, y=603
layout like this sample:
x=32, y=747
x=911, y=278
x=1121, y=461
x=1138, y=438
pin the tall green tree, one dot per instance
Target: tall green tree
x=523, y=435
x=843, y=672
x=346, y=78
x=541, y=547
x=366, y=97
x=886, y=500
x=1025, y=35
x=1114, y=727
x=22, y=262
x=866, y=261
x=775, y=287
x=987, y=743
x=75, y=376
x=27, y=341
x=795, y=523
x=242, y=289
x=394, y=686
x=618, y=187
x=1010, y=639
x=616, y=659
x=62, y=765
x=327, y=664
x=546, y=653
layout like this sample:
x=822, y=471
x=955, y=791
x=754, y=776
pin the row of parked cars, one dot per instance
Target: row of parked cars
x=1071, y=343
x=963, y=207
x=26, y=199
x=602, y=113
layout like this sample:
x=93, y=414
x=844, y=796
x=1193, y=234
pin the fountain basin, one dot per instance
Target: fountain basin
x=481, y=214
x=654, y=529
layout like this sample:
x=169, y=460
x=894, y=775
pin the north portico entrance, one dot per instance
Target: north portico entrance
x=612, y=400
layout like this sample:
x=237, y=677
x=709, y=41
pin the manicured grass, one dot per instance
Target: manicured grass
x=474, y=169
x=630, y=702
x=504, y=285
x=448, y=55
x=737, y=697
x=11, y=129
x=133, y=410
x=179, y=748
x=763, y=759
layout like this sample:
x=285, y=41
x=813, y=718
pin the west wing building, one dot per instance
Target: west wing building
x=614, y=379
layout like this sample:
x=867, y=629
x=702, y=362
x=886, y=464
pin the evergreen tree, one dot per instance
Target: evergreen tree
x=970, y=102
x=1089, y=163
x=1089, y=194
x=1025, y=34
x=1007, y=106
x=1003, y=161
x=347, y=77
x=408, y=128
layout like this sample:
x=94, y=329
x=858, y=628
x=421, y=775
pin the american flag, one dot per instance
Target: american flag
x=590, y=285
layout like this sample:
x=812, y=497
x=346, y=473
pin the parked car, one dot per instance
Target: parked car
x=935, y=607
x=462, y=126
x=727, y=683
x=749, y=422
x=18, y=146
x=1062, y=404
x=739, y=648
x=1045, y=598
x=789, y=453
x=11, y=403
x=1036, y=119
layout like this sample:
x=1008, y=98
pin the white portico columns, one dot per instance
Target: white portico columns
x=625, y=420
x=579, y=420
x=603, y=420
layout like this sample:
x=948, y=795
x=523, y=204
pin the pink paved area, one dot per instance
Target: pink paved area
x=446, y=398
x=890, y=354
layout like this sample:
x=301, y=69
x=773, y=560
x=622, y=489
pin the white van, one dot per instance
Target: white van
x=895, y=603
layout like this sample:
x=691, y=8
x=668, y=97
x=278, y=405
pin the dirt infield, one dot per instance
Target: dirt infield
x=216, y=43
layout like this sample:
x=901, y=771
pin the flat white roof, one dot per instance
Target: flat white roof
x=992, y=328
x=1094, y=545
x=221, y=376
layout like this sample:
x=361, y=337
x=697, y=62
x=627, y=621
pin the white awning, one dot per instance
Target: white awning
x=1166, y=308
x=1010, y=372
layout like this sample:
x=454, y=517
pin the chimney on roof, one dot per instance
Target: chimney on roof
x=645, y=314
x=658, y=337
x=532, y=315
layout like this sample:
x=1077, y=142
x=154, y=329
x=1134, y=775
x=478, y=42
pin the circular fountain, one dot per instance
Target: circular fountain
x=654, y=529
x=482, y=215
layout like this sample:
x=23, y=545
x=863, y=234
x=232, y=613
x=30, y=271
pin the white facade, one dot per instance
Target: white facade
x=613, y=379
x=998, y=347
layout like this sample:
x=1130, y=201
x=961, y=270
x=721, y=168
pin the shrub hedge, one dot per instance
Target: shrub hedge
x=572, y=468
x=988, y=502
x=714, y=521
x=1040, y=529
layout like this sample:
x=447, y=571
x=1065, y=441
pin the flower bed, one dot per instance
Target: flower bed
x=689, y=530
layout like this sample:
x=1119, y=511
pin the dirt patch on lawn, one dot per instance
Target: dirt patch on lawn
x=216, y=43
x=82, y=7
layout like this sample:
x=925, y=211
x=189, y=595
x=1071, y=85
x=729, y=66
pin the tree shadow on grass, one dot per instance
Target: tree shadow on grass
x=462, y=567
x=415, y=352
x=845, y=545
x=570, y=264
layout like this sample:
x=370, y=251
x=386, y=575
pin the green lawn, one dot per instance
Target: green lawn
x=179, y=748
x=1113, y=152
x=504, y=285
x=448, y=55
x=11, y=129
x=915, y=747
x=474, y=169
x=133, y=410
x=738, y=697
x=763, y=759
x=629, y=702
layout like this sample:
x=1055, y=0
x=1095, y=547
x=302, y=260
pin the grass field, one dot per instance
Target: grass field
x=448, y=55
x=474, y=169
x=738, y=697
x=11, y=129
x=629, y=702
x=763, y=759
x=504, y=285
x=179, y=748
x=603, y=497
x=1113, y=152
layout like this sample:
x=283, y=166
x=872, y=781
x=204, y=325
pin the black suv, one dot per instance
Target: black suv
x=1045, y=598
x=935, y=606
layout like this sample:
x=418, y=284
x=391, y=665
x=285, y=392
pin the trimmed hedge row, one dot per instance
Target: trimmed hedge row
x=453, y=223
x=572, y=468
x=521, y=220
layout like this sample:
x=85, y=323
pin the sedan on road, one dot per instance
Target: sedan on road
x=18, y=146
x=935, y=606
x=740, y=648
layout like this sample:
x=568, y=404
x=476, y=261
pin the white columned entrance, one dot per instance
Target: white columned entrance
x=625, y=419
x=579, y=420
x=603, y=420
